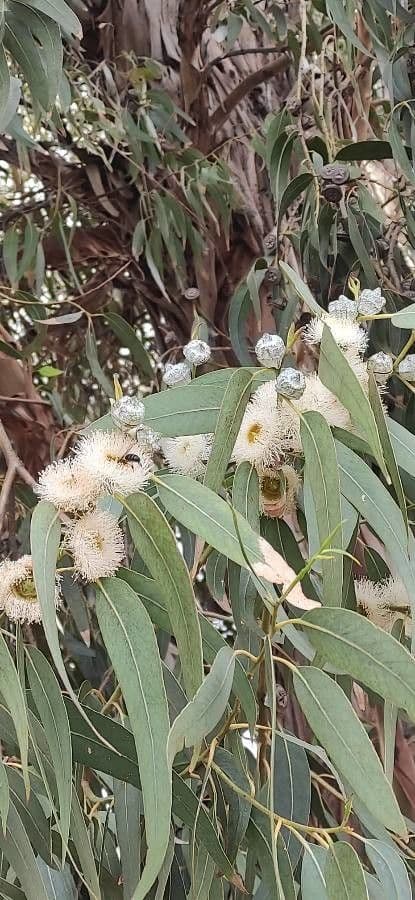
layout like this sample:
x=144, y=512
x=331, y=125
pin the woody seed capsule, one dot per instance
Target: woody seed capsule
x=177, y=374
x=406, y=367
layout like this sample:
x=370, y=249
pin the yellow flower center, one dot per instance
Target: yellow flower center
x=254, y=433
x=98, y=540
x=25, y=590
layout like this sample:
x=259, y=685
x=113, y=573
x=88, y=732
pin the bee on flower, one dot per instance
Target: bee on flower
x=114, y=461
x=278, y=491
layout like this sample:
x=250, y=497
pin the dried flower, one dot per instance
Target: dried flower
x=197, y=352
x=270, y=350
x=96, y=543
x=188, y=455
x=177, y=374
x=114, y=461
x=128, y=412
x=67, y=486
x=370, y=303
x=18, y=595
x=384, y=602
x=347, y=334
x=279, y=489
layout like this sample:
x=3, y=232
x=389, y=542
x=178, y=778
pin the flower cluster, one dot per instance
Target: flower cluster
x=103, y=463
x=384, y=602
x=195, y=353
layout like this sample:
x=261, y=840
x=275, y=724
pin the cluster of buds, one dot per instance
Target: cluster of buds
x=196, y=353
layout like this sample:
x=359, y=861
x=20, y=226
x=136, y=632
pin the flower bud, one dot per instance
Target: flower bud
x=197, y=352
x=128, y=412
x=381, y=364
x=343, y=308
x=406, y=367
x=290, y=383
x=270, y=351
x=177, y=374
x=370, y=303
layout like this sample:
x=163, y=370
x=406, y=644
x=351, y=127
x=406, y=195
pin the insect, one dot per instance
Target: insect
x=132, y=458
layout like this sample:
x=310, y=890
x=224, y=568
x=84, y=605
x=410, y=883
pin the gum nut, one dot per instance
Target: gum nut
x=406, y=367
x=197, y=352
x=270, y=351
x=148, y=438
x=370, y=303
x=380, y=363
x=176, y=374
x=290, y=383
x=343, y=308
x=128, y=412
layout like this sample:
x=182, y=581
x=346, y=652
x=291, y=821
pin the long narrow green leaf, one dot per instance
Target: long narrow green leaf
x=52, y=712
x=131, y=643
x=322, y=478
x=230, y=417
x=338, y=376
x=17, y=849
x=4, y=796
x=11, y=691
x=203, y=713
x=367, y=653
x=390, y=870
x=128, y=811
x=335, y=724
x=210, y=517
x=369, y=496
x=157, y=546
x=154, y=601
x=128, y=337
x=387, y=446
x=344, y=875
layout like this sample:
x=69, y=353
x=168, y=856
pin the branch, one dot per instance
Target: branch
x=283, y=48
x=14, y=466
x=222, y=112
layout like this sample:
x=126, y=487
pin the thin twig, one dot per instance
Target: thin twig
x=14, y=466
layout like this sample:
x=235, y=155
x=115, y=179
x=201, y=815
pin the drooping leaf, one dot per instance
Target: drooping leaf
x=338, y=376
x=369, y=496
x=4, y=796
x=59, y=12
x=292, y=790
x=335, y=724
x=52, y=713
x=344, y=875
x=157, y=546
x=367, y=653
x=301, y=289
x=387, y=446
x=229, y=421
x=34, y=40
x=203, y=713
x=97, y=372
x=322, y=477
x=11, y=691
x=403, y=443
x=210, y=517
x=404, y=318
x=129, y=637
x=390, y=870
x=128, y=809
x=17, y=849
x=128, y=337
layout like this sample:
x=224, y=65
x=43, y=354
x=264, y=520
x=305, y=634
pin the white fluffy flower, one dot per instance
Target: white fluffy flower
x=260, y=436
x=114, y=461
x=384, y=602
x=347, y=333
x=189, y=454
x=18, y=595
x=67, y=486
x=96, y=543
